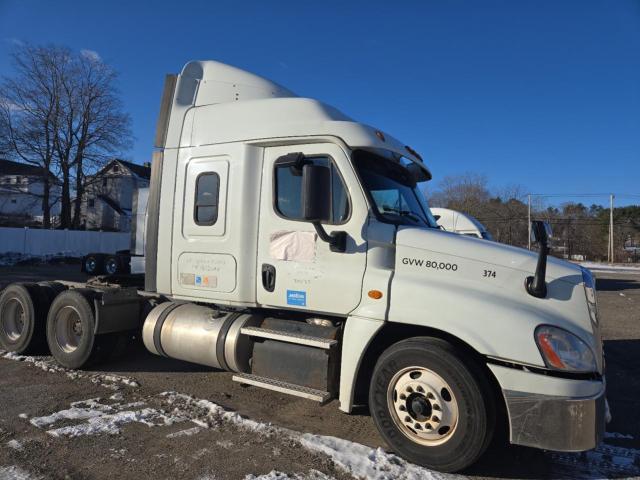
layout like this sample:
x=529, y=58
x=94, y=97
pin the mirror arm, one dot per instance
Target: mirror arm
x=536, y=285
x=337, y=240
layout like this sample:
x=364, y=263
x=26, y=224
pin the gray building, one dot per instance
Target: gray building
x=108, y=199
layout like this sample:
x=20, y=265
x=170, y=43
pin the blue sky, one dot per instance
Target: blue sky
x=545, y=94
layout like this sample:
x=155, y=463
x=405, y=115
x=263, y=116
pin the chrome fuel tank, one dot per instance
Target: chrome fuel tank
x=199, y=334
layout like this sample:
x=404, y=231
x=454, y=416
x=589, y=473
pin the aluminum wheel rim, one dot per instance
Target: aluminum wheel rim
x=13, y=319
x=68, y=329
x=422, y=406
x=111, y=267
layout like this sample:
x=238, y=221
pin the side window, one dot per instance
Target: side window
x=205, y=210
x=288, y=191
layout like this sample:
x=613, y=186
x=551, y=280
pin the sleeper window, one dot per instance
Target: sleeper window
x=205, y=210
x=288, y=185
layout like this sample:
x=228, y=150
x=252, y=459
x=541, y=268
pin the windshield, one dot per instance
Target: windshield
x=393, y=189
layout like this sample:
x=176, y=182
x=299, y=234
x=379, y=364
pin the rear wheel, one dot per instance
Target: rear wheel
x=23, y=313
x=112, y=265
x=431, y=404
x=71, y=331
x=93, y=264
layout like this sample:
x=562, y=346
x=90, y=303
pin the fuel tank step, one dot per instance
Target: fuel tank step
x=297, y=338
x=283, y=387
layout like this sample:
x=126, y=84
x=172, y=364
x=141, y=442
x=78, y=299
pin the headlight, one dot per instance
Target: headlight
x=562, y=350
x=590, y=292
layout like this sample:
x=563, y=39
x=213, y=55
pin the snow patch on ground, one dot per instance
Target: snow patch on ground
x=611, y=267
x=275, y=475
x=15, y=444
x=366, y=462
x=110, y=381
x=208, y=414
x=100, y=418
x=185, y=433
x=226, y=444
x=15, y=473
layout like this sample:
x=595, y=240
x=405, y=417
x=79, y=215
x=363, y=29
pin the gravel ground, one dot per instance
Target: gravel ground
x=145, y=416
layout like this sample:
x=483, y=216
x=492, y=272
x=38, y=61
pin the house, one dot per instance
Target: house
x=21, y=190
x=108, y=199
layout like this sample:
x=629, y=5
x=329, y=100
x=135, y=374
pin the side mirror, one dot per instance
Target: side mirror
x=536, y=285
x=541, y=232
x=316, y=204
x=316, y=193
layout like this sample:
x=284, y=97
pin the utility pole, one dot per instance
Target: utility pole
x=611, y=227
x=529, y=221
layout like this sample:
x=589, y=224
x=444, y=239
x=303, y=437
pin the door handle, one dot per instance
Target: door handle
x=268, y=277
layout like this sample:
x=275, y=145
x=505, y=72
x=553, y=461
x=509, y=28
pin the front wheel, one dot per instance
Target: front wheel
x=431, y=404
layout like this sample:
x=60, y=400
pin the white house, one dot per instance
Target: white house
x=108, y=199
x=21, y=190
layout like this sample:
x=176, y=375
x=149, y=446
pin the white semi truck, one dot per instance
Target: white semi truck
x=291, y=245
x=461, y=223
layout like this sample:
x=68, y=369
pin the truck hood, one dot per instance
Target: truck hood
x=491, y=253
x=475, y=289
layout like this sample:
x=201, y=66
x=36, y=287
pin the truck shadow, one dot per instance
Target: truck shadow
x=137, y=358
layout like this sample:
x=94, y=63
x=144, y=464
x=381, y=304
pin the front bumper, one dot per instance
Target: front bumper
x=569, y=416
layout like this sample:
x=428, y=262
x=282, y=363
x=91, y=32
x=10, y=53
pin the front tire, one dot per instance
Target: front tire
x=431, y=404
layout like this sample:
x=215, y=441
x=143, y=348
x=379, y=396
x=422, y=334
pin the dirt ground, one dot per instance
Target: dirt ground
x=144, y=416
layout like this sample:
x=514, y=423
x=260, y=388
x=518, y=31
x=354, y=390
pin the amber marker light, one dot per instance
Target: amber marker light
x=375, y=294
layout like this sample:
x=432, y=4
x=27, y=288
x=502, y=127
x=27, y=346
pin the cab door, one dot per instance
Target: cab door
x=296, y=269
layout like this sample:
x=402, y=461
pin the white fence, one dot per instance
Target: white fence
x=33, y=241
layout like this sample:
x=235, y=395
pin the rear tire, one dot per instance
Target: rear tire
x=431, y=404
x=71, y=331
x=112, y=265
x=23, y=318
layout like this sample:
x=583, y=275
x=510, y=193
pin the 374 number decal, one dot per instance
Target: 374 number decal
x=489, y=274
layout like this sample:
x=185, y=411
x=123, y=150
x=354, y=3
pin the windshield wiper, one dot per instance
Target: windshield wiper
x=404, y=213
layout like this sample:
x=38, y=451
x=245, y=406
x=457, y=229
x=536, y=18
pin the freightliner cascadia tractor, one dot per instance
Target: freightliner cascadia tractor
x=293, y=246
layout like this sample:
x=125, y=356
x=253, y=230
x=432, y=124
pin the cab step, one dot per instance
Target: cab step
x=289, y=337
x=283, y=387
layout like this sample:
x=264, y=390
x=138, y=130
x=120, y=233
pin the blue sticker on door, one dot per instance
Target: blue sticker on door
x=297, y=297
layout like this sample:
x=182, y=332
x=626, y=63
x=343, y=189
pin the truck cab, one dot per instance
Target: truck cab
x=461, y=223
x=293, y=246
x=244, y=168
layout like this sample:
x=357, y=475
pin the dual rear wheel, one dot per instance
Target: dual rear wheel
x=36, y=316
x=23, y=316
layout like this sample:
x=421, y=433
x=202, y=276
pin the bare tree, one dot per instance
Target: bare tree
x=79, y=122
x=29, y=112
x=467, y=193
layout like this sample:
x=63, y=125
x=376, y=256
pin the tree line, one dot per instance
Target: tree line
x=61, y=112
x=578, y=229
